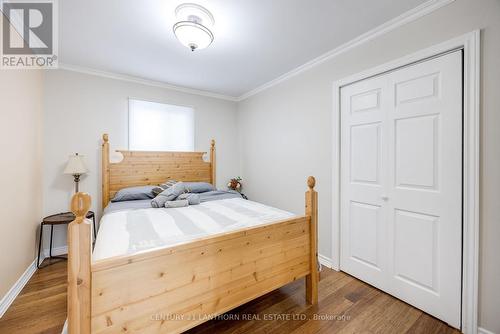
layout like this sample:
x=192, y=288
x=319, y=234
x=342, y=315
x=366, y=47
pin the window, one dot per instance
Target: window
x=160, y=127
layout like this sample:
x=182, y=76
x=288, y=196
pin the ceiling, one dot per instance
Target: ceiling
x=255, y=42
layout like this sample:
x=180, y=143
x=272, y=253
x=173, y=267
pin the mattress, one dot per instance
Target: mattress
x=129, y=230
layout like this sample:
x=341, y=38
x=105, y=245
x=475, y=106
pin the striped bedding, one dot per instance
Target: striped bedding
x=134, y=230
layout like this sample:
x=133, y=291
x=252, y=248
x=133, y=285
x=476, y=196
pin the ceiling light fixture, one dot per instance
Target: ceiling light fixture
x=193, y=27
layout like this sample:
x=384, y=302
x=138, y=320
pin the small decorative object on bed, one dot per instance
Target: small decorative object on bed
x=183, y=191
x=199, y=275
x=162, y=187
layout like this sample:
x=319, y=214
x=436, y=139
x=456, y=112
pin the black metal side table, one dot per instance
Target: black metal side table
x=59, y=219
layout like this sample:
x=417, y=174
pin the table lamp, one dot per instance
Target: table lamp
x=75, y=167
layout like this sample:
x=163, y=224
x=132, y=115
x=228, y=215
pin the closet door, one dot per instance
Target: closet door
x=416, y=220
x=363, y=182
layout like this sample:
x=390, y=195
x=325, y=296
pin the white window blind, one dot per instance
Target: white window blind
x=160, y=127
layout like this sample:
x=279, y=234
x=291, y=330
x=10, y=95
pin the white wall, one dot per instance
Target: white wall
x=285, y=132
x=20, y=166
x=79, y=108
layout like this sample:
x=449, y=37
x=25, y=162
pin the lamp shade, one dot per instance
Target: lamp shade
x=75, y=165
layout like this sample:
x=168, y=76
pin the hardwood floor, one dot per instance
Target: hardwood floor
x=41, y=305
x=346, y=305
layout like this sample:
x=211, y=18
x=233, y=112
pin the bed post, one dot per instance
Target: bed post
x=212, y=161
x=105, y=170
x=312, y=211
x=79, y=279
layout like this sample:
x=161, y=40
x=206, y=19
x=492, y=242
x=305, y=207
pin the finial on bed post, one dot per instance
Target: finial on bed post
x=105, y=170
x=311, y=182
x=79, y=262
x=80, y=205
x=312, y=211
x=212, y=161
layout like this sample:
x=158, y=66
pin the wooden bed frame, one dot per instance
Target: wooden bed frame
x=172, y=289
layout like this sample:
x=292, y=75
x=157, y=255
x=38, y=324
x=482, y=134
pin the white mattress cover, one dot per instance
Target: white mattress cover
x=133, y=230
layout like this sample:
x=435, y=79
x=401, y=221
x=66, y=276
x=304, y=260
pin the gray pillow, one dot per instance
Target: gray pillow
x=134, y=194
x=198, y=187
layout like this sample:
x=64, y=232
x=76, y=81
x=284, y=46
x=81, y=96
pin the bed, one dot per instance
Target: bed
x=168, y=270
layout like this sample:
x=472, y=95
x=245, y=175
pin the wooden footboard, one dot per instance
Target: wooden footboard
x=170, y=290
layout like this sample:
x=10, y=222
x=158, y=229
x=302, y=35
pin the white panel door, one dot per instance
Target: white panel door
x=401, y=184
x=363, y=181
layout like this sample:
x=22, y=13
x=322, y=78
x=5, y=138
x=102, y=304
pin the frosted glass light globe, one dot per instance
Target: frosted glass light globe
x=192, y=29
x=193, y=35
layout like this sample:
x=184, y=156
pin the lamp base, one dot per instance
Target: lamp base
x=77, y=181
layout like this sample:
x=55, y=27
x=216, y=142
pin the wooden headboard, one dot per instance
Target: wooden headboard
x=139, y=168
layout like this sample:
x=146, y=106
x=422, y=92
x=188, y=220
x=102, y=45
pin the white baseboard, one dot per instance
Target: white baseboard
x=56, y=251
x=481, y=330
x=14, y=291
x=326, y=261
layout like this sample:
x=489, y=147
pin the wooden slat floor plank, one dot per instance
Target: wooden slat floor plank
x=346, y=305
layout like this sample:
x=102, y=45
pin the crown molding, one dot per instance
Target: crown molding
x=143, y=81
x=407, y=17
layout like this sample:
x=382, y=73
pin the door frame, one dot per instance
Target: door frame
x=470, y=44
